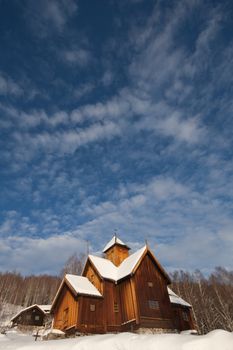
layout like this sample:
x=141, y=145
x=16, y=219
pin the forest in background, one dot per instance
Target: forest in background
x=211, y=297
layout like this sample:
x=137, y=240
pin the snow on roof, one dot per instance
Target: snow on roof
x=108, y=270
x=44, y=308
x=114, y=240
x=81, y=285
x=127, y=266
x=105, y=267
x=175, y=299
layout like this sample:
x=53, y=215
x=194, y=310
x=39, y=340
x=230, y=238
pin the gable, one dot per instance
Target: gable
x=156, y=265
x=76, y=285
x=92, y=274
x=149, y=270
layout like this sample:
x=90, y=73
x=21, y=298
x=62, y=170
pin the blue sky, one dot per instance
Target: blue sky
x=116, y=115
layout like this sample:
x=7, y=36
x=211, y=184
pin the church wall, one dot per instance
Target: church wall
x=153, y=300
x=66, y=310
x=112, y=306
x=127, y=301
x=91, y=317
x=93, y=277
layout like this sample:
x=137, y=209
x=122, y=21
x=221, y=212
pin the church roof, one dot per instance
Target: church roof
x=108, y=270
x=79, y=285
x=112, y=242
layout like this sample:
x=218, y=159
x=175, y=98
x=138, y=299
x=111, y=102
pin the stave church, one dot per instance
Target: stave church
x=120, y=292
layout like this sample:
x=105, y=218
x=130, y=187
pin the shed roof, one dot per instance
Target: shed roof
x=175, y=299
x=112, y=242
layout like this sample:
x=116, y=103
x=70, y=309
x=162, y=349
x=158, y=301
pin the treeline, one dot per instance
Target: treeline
x=211, y=297
x=18, y=290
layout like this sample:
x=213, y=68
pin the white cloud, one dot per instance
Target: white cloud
x=165, y=188
x=9, y=86
x=78, y=57
x=83, y=90
x=107, y=78
x=23, y=254
x=46, y=15
x=65, y=141
x=186, y=130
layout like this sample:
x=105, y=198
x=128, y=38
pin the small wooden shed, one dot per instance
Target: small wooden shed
x=182, y=312
x=34, y=315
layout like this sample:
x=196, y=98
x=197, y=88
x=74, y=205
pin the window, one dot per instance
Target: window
x=153, y=304
x=185, y=316
x=92, y=307
x=150, y=284
x=116, y=307
x=37, y=317
x=28, y=317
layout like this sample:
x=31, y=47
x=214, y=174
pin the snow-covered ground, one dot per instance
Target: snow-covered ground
x=216, y=340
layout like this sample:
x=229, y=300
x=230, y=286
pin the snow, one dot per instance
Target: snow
x=112, y=242
x=108, y=270
x=175, y=299
x=45, y=308
x=214, y=340
x=127, y=266
x=105, y=267
x=82, y=285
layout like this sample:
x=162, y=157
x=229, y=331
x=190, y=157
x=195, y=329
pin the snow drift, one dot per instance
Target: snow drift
x=214, y=340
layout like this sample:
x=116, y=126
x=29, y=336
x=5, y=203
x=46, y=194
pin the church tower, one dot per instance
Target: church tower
x=116, y=251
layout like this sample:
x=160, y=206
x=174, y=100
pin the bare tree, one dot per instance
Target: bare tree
x=73, y=265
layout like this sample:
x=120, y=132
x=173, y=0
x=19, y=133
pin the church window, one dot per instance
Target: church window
x=92, y=307
x=150, y=284
x=153, y=304
x=116, y=307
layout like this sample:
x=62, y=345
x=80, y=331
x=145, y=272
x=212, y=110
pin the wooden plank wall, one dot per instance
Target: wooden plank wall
x=128, y=307
x=117, y=254
x=146, y=274
x=179, y=321
x=111, y=296
x=93, y=277
x=91, y=317
x=66, y=312
x=28, y=317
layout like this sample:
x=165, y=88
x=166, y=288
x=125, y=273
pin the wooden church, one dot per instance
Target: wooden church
x=120, y=292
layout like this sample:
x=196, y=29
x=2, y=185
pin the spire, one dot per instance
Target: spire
x=116, y=250
x=115, y=240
